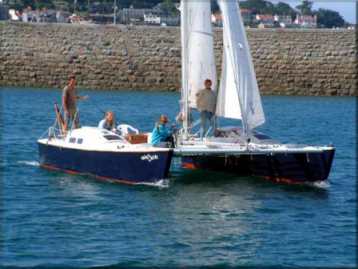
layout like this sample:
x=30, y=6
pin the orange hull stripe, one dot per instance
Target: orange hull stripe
x=189, y=166
x=283, y=180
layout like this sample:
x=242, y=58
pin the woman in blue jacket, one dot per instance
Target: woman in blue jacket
x=161, y=133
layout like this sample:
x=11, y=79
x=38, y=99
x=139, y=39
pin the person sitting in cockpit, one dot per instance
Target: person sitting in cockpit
x=109, y=122
x=161, y=134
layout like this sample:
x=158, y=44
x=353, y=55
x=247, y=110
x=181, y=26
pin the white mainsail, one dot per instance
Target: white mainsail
x=239, y=95
x=197, y=34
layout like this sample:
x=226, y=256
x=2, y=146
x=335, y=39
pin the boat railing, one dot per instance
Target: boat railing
x=54, y=132
x=197, y=133
x=56, y=129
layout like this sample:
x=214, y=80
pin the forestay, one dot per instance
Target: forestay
x=239, y=95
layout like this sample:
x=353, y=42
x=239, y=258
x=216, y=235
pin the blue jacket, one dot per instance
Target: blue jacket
x=159, y=134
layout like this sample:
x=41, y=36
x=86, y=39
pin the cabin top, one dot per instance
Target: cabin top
x=92, y=135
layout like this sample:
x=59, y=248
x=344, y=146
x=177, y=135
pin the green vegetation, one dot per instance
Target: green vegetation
x=259, y=6
x=266, y=7
x=325, y=18
x=329, y=18
x=284, y=9
x=81, y=4
x=168, y=7
x=21, y=4
x=306, y=7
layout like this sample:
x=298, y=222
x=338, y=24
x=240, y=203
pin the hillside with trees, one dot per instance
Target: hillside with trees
x=325, y=18
x=81, y=5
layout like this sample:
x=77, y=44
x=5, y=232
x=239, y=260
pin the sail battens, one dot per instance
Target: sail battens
x=203, y=33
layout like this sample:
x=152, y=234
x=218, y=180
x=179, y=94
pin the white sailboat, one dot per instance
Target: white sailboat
x=240, y=150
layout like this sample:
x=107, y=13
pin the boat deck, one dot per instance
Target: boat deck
x=199, y=147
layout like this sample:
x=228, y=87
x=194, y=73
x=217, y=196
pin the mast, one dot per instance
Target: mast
x=184, y=73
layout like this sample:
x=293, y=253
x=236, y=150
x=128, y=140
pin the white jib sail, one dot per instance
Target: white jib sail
x=200, y=48
x=228, y=104
x=238, y=71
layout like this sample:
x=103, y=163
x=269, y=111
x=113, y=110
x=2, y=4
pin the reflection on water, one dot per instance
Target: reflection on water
x=215, y=215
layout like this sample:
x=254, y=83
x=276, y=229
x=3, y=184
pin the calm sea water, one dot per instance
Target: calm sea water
x=49, y=218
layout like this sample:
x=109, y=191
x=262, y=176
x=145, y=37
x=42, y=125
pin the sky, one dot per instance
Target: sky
x=347, y=8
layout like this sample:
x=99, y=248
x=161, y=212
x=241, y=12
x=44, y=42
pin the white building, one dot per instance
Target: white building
x=151, y=19
x=306, y=21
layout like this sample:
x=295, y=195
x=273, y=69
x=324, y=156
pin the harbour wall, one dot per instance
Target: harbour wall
x=287, y=62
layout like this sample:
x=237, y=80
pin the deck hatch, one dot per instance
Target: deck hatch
x=111, y=137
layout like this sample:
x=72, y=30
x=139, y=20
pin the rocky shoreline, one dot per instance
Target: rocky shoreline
x=287, y=62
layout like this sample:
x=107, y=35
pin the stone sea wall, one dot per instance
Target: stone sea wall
x=287, y=62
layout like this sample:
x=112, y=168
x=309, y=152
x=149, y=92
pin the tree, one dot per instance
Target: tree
x=329, y=18
x=258, y=6
x=20, y=4
x=168, y=7
x=284, y=9
x=61, y=5
x=305, y=7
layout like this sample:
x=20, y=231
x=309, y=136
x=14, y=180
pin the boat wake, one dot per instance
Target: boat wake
x=322, y=185
x=29, y=163
x=161, y=184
